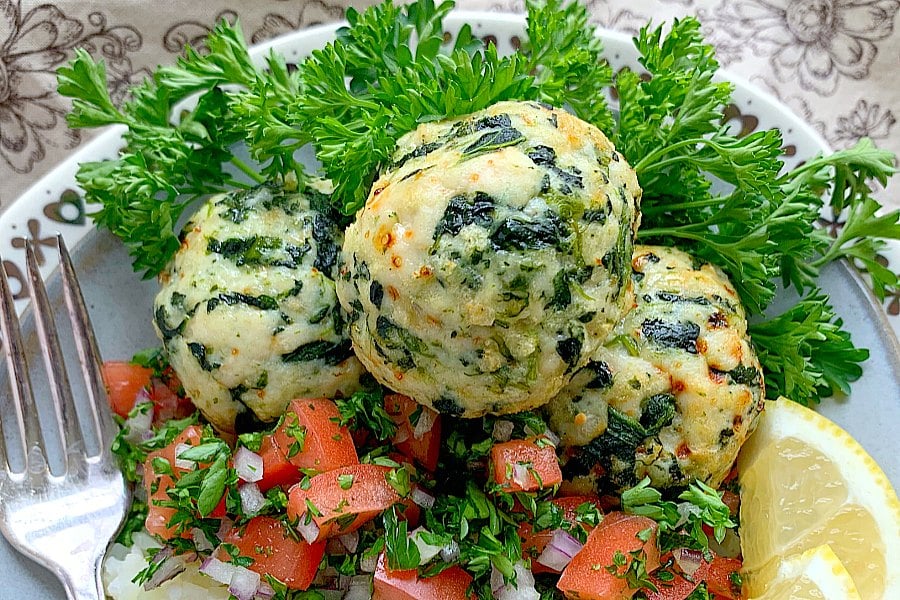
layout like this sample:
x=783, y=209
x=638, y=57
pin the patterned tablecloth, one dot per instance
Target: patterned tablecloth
x=834, y=62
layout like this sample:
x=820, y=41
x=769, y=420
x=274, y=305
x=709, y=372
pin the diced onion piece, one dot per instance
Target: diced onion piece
x=497, y=582
x=685, y=510
x=264, y=591
x=421, y=497
x=688, y=560
x=244, y=583
x=450, y=552
x=551, y=436
x=138, y=426
x=169, y=567
x=248, y=465
x=308, y=528
x=401, y=436
x=183, y=463
x=560, y=550
x=350, y=541
x=252, y=500
x=360, y=588
x=502, y=430
x=224, y=528
x=520, y=474
x=368, y=562
x=218, y=570
x=201, y=542
x=523, y=589
x=729, y=547
x=426, y=550
x=425, y=422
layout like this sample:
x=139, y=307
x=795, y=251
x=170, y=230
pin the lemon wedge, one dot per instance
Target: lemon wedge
x=806, y=483
x=816, y=574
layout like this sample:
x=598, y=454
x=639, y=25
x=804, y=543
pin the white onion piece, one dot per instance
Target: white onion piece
x=244, y=583
x=502, y=430
x=497, y=582
x=450, y=552
x=360, y=588
x=249, y=465
x=425, y=422
x=729, y=547
x=426, y=550
x=551, y=437
x=421, y=497
x=225, y=528
x=688, y=560
x=182, y=463
x=252, y=500
x=309, y=531
x=218, y=570
x=169, y=567
x=139, y=425
x=560, y=550
x=523, y=588
x=201, y=542
x=264, y=591
x=350, y=541
x=368, y=563
x=685, y=509
x=402, y=435
x=520, y=474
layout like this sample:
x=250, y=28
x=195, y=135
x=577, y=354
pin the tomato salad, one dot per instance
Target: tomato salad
x=373, y=495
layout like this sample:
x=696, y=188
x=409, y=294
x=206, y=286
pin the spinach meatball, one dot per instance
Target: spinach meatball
x=675, y=391
x=248, y=312
x=491, y=258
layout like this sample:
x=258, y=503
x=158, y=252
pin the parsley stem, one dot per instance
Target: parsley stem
x=649, y=162
x=247, y=170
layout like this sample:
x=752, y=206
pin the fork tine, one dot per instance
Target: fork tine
x=66, y=421
x=88, y=352
x=20, y=383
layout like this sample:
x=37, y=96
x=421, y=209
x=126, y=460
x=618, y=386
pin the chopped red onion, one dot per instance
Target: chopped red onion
x=421, y=497
x=139, y=425
x=497, y=582
x=171, y=567
x=450, y=552
x=249, y=465
x=425, y=422
x=201, y=542
x=182, y=463
x=688, y=560
x=368, y=563
x=502, y=430
x=520, y=474
x=225, y=528
x=523, y=589
x=551, y=437
x=252, y=500
x=264, y=591
x=309, y=530
x=350, y=541
x=360, y=588
x=218, y=570
x=244, y=583
x=560, y=550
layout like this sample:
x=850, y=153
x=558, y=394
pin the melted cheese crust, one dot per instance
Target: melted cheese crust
x=247, y=310
x=685, y=342
x=491, y=259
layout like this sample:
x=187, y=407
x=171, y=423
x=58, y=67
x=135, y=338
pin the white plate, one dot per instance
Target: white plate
x=120, y=303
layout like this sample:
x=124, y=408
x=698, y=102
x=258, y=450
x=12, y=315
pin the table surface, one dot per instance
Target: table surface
x=833, y=62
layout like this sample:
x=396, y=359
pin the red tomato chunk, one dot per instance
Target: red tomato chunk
x=274, y=552
x=157, y=486
x=525, y=465
x=450, y=584
x=341, y=500
x=310, y=437
x=124, y=381
x=588, y=576
x=423, y=449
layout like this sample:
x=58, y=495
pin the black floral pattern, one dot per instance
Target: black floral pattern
x=815, y=42
x=311, y=13
x=865, y=120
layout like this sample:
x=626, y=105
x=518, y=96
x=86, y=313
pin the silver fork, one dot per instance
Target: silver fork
x=65, y=520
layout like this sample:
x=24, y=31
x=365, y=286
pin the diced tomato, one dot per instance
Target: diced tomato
x=310, y=437
x=533, y=543
x=274, y=552
x=449, y=584
x=423, y=449
x=277, y=470
x=124, y=381
x=719, y=578
x=677, y=587
x=337, y=510
x=587, y=577
x=157, y=485
x=525, y=465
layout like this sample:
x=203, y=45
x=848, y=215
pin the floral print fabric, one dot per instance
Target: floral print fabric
x=834, y=62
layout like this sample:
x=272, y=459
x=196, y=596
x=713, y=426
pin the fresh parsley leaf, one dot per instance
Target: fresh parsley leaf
x=400, y=550
x=365, y=409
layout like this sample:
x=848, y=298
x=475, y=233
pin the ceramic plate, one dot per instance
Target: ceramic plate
x=120, y=302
